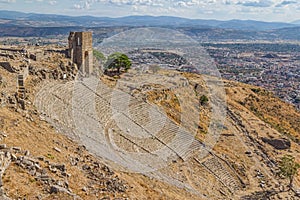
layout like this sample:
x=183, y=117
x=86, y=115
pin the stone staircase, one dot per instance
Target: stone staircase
x=222, y=172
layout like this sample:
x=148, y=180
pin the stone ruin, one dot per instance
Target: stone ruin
x=21, y=93
x=81, y=51
x=7, y=66
x=38, y=56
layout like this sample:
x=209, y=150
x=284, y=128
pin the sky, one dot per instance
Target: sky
x=263, y=10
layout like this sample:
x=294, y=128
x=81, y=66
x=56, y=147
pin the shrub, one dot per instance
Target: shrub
x=203, y=100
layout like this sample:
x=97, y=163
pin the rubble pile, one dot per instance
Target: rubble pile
x=54, y=176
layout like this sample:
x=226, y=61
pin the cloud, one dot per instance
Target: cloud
x=38, y=1
x=151, y=3
x=84, y=5
x=269, y=10
x=7, y=1
x=52, y=2
x=259, y=3
x=286, y=3
x=135, y=2
x=185, y=3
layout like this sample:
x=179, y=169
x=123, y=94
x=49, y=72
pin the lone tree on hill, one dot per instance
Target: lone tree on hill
x=117, y=62
x=288, y=169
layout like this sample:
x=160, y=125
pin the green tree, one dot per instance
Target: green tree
x=289, y=168
x=98, y=55
x=117, y=61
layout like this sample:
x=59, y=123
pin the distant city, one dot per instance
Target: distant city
x=275, y=67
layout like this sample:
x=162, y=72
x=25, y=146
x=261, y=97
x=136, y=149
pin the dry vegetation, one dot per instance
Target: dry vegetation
x=253, y=114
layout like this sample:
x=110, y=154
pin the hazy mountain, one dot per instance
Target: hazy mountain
x=40, y=25
x=296, y=22
x=12, y=14
x=200, y=34
x=32, y=19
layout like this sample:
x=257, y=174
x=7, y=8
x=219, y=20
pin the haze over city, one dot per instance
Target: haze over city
x=263, y=10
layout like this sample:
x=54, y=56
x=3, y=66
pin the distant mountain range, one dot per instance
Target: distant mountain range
x=20, y=24
x=296, y=22
x=12, y=18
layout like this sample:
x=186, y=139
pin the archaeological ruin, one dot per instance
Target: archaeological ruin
x=81, y=51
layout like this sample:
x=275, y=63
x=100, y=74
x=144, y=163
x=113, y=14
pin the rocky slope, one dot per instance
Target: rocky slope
x=46, y=155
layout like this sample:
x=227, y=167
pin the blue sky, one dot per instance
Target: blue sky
x=266, y=10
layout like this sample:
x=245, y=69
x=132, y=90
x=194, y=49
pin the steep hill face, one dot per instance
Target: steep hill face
x=142, y=136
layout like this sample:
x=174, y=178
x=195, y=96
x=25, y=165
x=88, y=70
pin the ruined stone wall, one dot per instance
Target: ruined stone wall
x=81, y=50
x=7, y=66
x=38, y=56
x=21, y=86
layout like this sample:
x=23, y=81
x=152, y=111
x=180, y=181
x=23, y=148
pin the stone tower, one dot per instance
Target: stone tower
x=81, y=51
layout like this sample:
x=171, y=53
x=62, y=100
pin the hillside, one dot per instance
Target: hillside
x=200, y=34
x=51, y=20
x=296, y=22
x=75, y=140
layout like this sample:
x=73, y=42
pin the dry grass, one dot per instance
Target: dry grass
x=255, y=107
